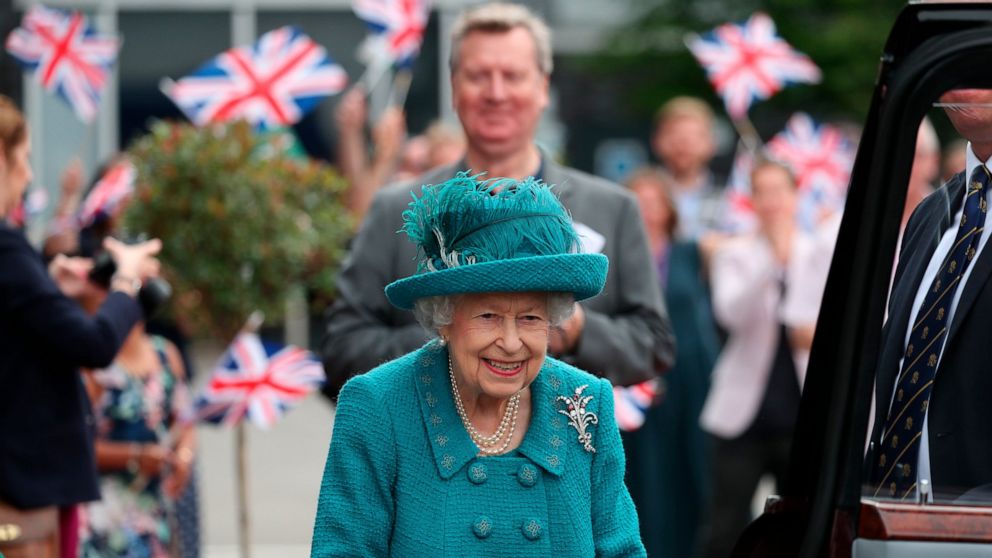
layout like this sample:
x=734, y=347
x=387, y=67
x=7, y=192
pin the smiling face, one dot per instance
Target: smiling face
x=497, y=342
x=498, y=90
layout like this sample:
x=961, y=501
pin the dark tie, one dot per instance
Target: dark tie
x=900, y=449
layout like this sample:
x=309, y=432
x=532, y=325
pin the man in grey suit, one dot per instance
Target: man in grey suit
x=500, y=66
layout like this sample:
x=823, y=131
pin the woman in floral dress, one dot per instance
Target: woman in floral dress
x=144, y=449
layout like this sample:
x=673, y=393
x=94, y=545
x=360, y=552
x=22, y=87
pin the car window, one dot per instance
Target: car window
x=928, y=432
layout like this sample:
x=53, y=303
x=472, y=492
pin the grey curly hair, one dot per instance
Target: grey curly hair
x=435, y=312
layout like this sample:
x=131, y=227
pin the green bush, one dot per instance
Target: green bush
x=242, y=222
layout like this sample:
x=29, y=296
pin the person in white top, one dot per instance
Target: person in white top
x=766, y=290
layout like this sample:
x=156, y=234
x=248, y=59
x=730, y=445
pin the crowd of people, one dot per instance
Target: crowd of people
x=455, y=404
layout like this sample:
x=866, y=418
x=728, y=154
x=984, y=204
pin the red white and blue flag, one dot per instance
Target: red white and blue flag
x=397, y=26
x=631, y=404
x=66, y=55
x=272, y=83
x=115, y=186
x=258, y=380
x=821, y=158
x=740, y=215
x=748, y=61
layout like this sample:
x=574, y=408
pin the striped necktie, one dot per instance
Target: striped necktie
x=899, y=453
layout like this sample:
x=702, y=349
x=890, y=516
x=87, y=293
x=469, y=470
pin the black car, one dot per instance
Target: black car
x=827, y=506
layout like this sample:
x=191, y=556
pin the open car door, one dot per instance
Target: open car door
x=827, y=506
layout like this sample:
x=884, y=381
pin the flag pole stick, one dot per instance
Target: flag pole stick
x=252, y=325
x=401, y=86
x=748, y=133
x=242, y=479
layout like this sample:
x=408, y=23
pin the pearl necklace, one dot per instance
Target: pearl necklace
x=488, y=444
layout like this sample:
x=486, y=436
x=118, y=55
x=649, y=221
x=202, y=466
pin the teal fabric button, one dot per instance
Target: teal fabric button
x=532, y=529
x=483, y=527
x=477, y=473
x=527, y=475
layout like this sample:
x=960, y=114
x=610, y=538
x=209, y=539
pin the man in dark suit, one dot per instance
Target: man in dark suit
x=933, y=383
x=500, y=70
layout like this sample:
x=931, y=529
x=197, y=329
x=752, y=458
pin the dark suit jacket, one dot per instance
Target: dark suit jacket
x=46, y=426
x=627, y=336
x=960, y=408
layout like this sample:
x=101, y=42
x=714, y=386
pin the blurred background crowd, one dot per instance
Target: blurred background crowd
x=738, y=255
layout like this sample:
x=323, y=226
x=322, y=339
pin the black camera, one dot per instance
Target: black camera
x=152, y=296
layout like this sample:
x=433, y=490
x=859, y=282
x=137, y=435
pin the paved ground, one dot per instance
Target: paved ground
x=284, y=470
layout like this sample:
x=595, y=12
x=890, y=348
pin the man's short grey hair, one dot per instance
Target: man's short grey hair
x=435, y=312
x=501, y=17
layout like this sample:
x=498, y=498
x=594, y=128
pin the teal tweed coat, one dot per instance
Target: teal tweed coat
x=403, y=477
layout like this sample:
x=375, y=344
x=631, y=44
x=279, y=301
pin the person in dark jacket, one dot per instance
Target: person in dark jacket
x=46, y=425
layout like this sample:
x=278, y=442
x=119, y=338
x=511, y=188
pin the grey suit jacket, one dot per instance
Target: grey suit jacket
x=627, y=336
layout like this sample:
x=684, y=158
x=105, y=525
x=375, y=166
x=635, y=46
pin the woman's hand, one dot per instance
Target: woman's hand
x=71, y=275
x=352, y=111
x=181, y=465
x=152, y=459
x=135, y=261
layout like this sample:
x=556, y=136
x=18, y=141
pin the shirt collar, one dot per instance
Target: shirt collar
x=545, y=441
x=972, y=161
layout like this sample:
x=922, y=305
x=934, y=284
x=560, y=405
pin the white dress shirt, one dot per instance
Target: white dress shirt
x=943, y=248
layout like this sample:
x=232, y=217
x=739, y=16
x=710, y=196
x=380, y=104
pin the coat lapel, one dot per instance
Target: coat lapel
x=450, y=443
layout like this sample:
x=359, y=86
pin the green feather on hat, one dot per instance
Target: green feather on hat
x=495, y=235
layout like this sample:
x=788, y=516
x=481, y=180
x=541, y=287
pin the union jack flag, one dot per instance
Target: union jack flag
x=272, y=83
x=631, y=404
x=258, y=379
x=400, y=25
x=821, y=159
x=749, y=61
x=66, y=56
x=740, y=216
x=116, y=184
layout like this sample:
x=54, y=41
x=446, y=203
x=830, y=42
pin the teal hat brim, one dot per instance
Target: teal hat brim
x=583, y=275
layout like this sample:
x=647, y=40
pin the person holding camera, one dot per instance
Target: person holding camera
x=47, y=462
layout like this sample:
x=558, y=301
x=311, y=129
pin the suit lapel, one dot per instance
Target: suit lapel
x=553, y=174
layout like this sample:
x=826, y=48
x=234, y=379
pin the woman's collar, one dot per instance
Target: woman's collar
x=544, y=443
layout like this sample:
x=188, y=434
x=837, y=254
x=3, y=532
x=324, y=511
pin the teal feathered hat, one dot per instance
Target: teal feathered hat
x=497, y=235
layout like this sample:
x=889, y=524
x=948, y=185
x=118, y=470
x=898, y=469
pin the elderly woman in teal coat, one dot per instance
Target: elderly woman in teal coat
x=479, y=444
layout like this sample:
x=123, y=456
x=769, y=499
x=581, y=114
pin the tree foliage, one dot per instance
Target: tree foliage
x=241, y=221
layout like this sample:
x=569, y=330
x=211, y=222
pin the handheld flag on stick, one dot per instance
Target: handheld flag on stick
x=113, y=187
x=631, y=404
x=399, y=23
x=258, y=380
x=397, y=31
x=740, y=211
x=821, y=159
x=749, y=61
x=66, y=55
x=272, y=83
